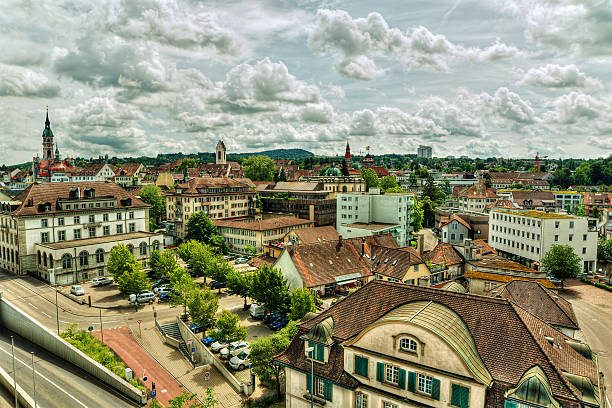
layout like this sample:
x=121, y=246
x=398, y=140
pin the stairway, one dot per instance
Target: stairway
x=172, y=330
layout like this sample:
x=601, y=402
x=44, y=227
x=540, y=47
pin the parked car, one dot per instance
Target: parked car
x=196, y=328
x=241, y=260
x=217, y=285
x=207, y=341
x=160, y=282
x=271, y=317
x=217, y=346
x=142, y=297
x=165, y=296
x=280, y=323
x=233, y=349
x=257, y=312
x=240, y=361
x=102, y=281
x=77, y=290
x=159, y=288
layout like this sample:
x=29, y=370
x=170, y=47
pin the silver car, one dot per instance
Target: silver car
x=241, y=361
x=234, y=349
x=216, y=346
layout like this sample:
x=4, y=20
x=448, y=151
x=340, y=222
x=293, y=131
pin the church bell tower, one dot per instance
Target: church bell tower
x=47, y=137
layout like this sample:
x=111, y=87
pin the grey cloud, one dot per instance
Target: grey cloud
x=20, y=81
x=574, y=106
x=363, y=123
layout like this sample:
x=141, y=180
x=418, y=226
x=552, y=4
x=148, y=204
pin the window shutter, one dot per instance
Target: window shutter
x=401, y=379
x=510, y=404
x=411, y=381
x=320, y=352
x=460, y=396
x=361, y=366
x=380, y=372
x=311, y=353
x=309, y=383
x=435, y=389
x=327, y=390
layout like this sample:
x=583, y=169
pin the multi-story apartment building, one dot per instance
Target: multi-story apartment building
x=242, y=233
x=477, y=197
x=338, y=184
x=392, y=345
x=130, y=174
x=568, y=200
x=364, y=214
x=526, y=236
x=596, y=203
x=221, y=197
x=63, y=232
x=424, y=152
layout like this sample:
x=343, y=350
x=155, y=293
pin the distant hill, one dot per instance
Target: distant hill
x=278, y=154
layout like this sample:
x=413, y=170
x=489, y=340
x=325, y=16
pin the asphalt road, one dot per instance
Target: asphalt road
x=58, y=384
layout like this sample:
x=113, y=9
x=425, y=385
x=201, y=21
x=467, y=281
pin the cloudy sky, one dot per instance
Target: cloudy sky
x=481, y=78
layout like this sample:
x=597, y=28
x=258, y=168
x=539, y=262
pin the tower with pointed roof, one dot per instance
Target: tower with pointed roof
x=348, y=159
x=220, y=153
x=47, y=137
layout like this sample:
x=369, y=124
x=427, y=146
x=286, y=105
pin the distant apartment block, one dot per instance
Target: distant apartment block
x=477, y=197
x=359, y=215
x=526, y=236
x=338, y=184
x=424, y=152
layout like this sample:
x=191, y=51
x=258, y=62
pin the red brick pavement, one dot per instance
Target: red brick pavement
x=120, y=340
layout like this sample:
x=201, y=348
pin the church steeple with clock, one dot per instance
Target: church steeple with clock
x=47, y=137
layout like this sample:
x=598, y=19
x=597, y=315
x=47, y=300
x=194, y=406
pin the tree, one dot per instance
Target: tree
x=120, y=260
x=187, y=164
x=594, y=211
x=250, y=250
x=388, y=182
x=200, y=227
x=488, y=183
x=417, y=216
x=265, y=349
x=270, y=289
x=203, y=305
x=187, y=400
x=604, y=250
x=183, y=286
x=162, y=263
x=197, y=255
x=282, y=176
x=218, y=269
x=412, y=180
x=344, y=169
x=153, y=195
x=228, y=329
x=394, y=190
x=259, y=168
x=302, y=302
x=239, y=284
x=370, y=178
x=323, y=170
x=429, y=212
x=561, y=263
x=133, y=281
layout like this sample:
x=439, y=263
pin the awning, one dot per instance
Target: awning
x=346, y=282
x=351, y=276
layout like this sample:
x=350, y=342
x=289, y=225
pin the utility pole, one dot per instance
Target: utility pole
x=57, y=312
x=101, y=331
x=34, y=381
x=14, y=372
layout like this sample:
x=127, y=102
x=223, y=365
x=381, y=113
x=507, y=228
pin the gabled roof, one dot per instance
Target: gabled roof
x=539, y=301
x=328, y=262
x=392, y=262
x=128, y=169
x=51, y=192
x=500, y=277
x=443, y=253
x=454, y=217
x=507, y=339
x=193, y=185
x=316, y=234
x=92, y=170
x=478, y=190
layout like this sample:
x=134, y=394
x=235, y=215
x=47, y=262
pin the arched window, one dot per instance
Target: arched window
x=45, y=259
x=143, y=248
x=408, y=344
x=99, y=255
x=84, y=258
x=130, y=248
x=66, y=261
x=51, y=261
x=344, y=189
x=156, y=245
x=39, y=258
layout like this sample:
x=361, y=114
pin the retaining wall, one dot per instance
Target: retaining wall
x=16, y=320
x=23, y=397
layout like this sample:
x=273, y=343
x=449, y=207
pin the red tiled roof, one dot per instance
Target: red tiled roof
x=261, y=225
x=443, y=253
x=478, y=190
x=454, y=217
x=128, y=169
x=193, y=185
x=500, y=277
x=316, y=234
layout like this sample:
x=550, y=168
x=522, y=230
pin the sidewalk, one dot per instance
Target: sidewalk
x=120, y=340
x=193, y=379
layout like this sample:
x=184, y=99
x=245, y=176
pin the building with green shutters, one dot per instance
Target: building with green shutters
x=392, y=345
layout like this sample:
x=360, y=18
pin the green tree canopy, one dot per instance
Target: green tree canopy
x=153, y=195
x=133, y=281
x=162, y=263
x=302, y=302
x=187, y=164
x=429, y=212
x=435, y=194
x=604, y=250
x=259, y=168
x=264, y=349
x=561, y=262
x=184, y=287
x=239, y=284
x=228, y=328
x=202, y=306
x=200, y=227
x=270, y=289
x=417, y=216
x=197, y=255
x=388, y=182
x=370, y=178
x=120, y=260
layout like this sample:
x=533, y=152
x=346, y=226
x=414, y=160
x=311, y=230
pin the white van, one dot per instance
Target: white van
x=142, y=297
x=257, y=312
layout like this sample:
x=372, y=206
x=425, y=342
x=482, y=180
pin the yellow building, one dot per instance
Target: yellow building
x=219, y=198
x=398, y=265
x=338, y=184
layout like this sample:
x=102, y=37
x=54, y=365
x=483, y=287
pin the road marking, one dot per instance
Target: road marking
x=9, y=290
x=21, y=298
x=47, y=379
x=46, y=314
x=32, y=306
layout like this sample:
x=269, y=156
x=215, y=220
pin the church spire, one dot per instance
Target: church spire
x=47, y=137
x=47, y=121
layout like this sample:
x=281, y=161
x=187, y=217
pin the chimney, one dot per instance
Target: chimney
x=468, y=249
x=339, y=241
x=420, y=243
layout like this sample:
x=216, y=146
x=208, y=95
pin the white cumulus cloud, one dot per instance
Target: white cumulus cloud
x=557, y=76
x=20, y=81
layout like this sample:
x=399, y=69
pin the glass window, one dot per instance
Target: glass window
x=61, y=235
x=132, y=227
x=60, y=221
x=556, y=238
x=571, y=237
x=84, y=258
x=118, y=216
x=143, y=248
x=389, y=405
x=424, y=384
x=131, y=214
x=100, y=256
x=571, y=224
x=92, y=218
x=556, y=224
x=583, y=251
x=66, y=261
x=77, y=219
x=44, y=222
x=391, y=374
x=77, y=234
x=105, y=217
x=319, y=387
x=106, y=230
x=44, y=237
x=584, y=237
x=361, y=400
x=408, y=344
x=119, y=229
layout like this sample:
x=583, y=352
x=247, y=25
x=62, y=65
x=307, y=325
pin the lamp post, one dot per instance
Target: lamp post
x=14, y=377
x=312, y=384
x=34, y=381
x=101, y=330
x=57, y=311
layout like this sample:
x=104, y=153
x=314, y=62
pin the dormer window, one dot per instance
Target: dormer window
x=408, y=344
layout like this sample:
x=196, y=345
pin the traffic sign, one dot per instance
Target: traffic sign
x=153, y=393
x=138, y=321
x=207, y=375
x=193, y=349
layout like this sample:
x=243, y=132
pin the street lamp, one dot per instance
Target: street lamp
x=312, y=384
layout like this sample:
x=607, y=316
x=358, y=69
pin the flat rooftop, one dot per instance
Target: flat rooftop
x=372, y=226
x=537, y=214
